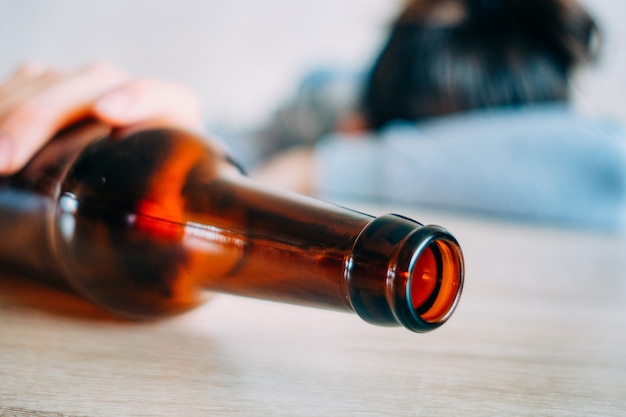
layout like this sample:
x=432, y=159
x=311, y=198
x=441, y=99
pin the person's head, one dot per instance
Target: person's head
x=447, y=56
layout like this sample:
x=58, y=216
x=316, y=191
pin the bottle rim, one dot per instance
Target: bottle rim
x=426, y=279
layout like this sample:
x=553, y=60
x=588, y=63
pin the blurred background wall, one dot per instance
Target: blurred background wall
x=243, y=56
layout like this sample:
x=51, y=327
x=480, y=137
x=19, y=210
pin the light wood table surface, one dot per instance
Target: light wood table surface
x=540, y=331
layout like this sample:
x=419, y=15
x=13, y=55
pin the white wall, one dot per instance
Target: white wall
x=241, y=55
x=244, y=55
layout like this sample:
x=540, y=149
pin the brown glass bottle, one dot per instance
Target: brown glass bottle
x=149, y=223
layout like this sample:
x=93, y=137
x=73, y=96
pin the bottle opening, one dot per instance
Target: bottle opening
x=435, y=281
x=401, y=272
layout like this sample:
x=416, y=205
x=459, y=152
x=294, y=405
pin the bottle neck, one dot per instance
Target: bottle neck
x=148, y=223
x=390, y=270
x=273, y=245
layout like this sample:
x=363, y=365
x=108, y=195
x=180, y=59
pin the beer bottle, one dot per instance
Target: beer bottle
x=151, y=222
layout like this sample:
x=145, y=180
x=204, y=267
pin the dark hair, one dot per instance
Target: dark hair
x=446, y=56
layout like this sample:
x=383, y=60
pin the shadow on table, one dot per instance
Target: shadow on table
x=19, y=292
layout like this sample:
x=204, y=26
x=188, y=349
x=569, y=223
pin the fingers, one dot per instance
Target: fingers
x=25, y=82
x=24, y=73
x=150, y=101
x=35, y=104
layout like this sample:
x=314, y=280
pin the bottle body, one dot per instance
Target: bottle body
x=150, y=223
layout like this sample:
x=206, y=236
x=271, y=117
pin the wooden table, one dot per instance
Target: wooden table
x=540, y=331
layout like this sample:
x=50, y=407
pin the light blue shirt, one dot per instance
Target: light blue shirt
x=543, y=163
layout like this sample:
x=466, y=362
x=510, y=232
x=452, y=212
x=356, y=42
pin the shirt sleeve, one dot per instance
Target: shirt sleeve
x=538, y=166
x=321, y=99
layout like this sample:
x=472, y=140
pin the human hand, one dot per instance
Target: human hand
x=292, y=170
x=37, y=102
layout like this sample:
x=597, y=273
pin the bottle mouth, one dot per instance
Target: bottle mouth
x=403, y=273
x=433, y=280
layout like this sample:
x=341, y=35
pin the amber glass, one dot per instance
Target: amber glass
x=151, y=222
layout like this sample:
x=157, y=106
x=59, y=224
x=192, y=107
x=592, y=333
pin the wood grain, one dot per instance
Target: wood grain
x=540, y=330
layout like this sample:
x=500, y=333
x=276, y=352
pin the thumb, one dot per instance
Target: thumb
x=153, y=101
